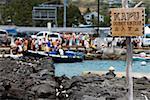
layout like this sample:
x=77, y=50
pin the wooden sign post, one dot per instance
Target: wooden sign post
x=128, y=22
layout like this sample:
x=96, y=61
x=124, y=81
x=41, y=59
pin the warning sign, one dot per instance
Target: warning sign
x=127, y=21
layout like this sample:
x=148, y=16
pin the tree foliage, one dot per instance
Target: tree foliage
x=20, y=11
x=73, y=13
x=73, y=16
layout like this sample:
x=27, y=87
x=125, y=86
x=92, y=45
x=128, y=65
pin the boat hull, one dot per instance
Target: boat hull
x=55, y=58
x=66, y=60
x=141, y=59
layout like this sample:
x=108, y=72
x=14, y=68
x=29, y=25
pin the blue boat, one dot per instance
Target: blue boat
x=68, y=57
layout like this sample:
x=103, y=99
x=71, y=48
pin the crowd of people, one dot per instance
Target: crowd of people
x=67, y=40
x=121, y=42
x=48, y=44
x=36, y=44
x=79, y=39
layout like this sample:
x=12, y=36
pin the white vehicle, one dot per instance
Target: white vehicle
x=42, y=34
x=55, y=36
x=146, y=37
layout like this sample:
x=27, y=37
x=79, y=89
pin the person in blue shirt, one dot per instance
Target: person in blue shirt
x=49, y=43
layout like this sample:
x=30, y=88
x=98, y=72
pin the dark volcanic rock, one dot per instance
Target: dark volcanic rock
x=27, y=79
x=34, y=79
x=44, y=91
x=93, y=87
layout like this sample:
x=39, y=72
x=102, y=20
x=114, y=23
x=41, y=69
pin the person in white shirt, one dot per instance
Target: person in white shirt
x=60, y=50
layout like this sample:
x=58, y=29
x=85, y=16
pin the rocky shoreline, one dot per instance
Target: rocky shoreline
x=27, y=79
x=113, y=53
x=93, y=87
x=34, y=79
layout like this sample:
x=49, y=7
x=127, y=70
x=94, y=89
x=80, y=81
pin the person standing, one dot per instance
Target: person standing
x=111, y=73
x=36, y=44
x=25, y=45
x=33, y=44
x=73, y=38
x=29, y=43
x=49, y=44
x=40, y=44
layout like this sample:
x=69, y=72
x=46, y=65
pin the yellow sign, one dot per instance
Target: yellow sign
x=127, y=21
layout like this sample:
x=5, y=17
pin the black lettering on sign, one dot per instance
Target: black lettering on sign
x=133, y=23
x=123, y=16
x=133, y=15
x=126, y=16
x=129, y=28
x=136, y=15
x=119, y=23
x=122, y=29
x=114, y=23
x=128, y=23
x=129, y=15
x=116, y=17
x=138, y=22
x=136, y=29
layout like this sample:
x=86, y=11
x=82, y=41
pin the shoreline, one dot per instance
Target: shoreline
x=30, y=78
x=118, y=74
x=98, y=68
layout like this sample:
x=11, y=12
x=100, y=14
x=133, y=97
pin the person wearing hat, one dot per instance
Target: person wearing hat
x=111, y=73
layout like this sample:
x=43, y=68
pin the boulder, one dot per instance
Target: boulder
x=43, y=90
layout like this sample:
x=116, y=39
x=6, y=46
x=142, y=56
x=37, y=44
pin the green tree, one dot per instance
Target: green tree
x=60, y=17
x=20, y=11
x=1, y=13
x=72, y=13
x=94, y=21
x=73, y=16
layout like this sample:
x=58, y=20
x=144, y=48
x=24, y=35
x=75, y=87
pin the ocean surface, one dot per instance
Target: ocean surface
x=72, y=69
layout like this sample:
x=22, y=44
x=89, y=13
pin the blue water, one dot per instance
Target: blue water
x=71, y=69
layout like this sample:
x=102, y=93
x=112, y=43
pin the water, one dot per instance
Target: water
x=71, y=69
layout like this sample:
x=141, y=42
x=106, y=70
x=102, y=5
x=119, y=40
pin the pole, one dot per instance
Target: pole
x=138, y=4
x=129, y=68
x=129, y=60
x=49, y=26
x=65, y=12
x=98, y=18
